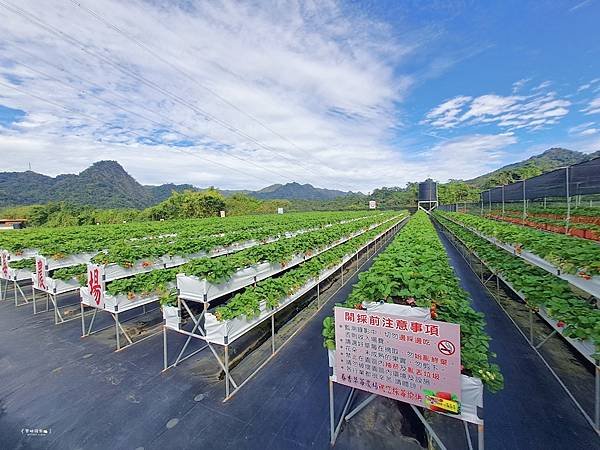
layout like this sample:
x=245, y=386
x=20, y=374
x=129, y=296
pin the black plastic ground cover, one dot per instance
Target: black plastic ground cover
x=533, y=411
x=89, y=397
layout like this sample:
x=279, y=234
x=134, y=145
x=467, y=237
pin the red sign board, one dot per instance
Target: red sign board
x=96, y=284
x=40, y=273
x=412, y=360
x=4, y=260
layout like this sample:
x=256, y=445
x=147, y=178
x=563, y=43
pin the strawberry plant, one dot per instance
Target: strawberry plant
x=569, y=254
x=580, y=317
x=414, y=270
x=273, y=290
x=176, y=233
x=220, y=269
x=25, y=264
x=78, y=272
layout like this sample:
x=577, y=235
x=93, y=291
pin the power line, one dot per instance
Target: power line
x=178, y=68
x=82, y=46
x=73, y=111
x=159, y=124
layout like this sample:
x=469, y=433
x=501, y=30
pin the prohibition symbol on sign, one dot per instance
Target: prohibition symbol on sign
x=446, y=347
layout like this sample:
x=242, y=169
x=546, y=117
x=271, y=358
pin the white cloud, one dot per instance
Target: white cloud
x=580, y=5
x=519, y=84
x=593, y=107
x=584, y=129
x=583, y=87
x=543, y=85
x=445, y=115
x=513, y=112
x=490, y=105
x=326, y=82
x=466, y=157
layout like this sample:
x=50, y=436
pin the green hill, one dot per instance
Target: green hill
x=103, y=185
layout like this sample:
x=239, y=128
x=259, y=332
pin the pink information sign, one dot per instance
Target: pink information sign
x=407, y=359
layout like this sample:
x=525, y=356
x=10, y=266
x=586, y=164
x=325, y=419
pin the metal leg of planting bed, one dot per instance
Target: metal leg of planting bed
x=3, y=288
x=469, y=442
x=430, y=430
x=360, y=407
x=17, y=291
x=58, y=317
x=597, y=408
x=554, y=332
x=336, y=427
x=118, y=325
x=87, y=331
x=34, y=300
x=193, y=334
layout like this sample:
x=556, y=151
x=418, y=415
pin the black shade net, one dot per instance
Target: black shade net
x=584, y=179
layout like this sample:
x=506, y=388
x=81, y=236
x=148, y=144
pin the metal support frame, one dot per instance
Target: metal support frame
x=198, y=333
x=594, y=422
x=17, y=292
x=524, y=204
x=34, y=300
x=52, y=297
x=3, y=289
x=482, y=203
x=197, y=319
x=545, y=339
x=118, y=325
x=335, y=424
x=568, y=218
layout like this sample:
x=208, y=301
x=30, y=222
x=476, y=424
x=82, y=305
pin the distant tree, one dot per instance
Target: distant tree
x=187, y=205
x=457, y=191
x=512, y=175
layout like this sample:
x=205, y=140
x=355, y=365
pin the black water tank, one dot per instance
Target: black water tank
x=428, y=191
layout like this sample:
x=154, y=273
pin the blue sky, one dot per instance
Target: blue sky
x=514, y=48
x=350, y=95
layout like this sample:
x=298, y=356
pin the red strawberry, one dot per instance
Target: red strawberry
x=560, y=324
x=444, y=395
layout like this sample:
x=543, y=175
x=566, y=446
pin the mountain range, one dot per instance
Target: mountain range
x=551, y=159
x=106, y=184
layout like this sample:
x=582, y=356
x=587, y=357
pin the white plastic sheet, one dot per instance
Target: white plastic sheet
x=69, y=261
x=61, y=286
x=471, y=398
x=228, y=331
x=172, y=316
x=403, y=310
